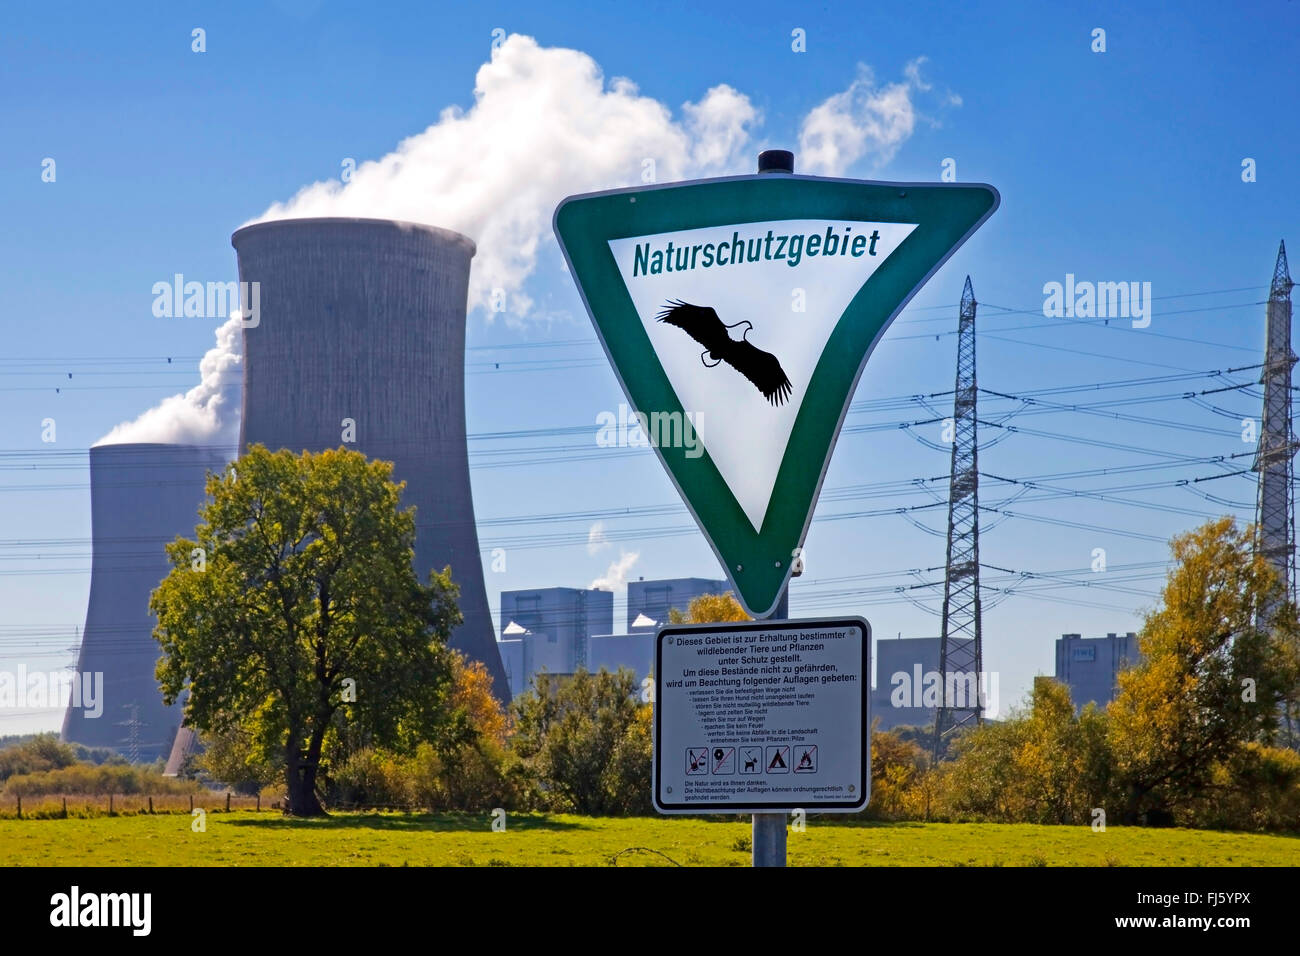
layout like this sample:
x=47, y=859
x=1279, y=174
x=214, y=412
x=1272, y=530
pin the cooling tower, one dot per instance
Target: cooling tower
x=361, y=342
x=141, y=497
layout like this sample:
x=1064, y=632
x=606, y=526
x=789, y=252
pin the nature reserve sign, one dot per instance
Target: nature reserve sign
x=748, y=307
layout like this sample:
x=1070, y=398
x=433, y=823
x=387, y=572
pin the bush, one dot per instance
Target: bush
x=42, y=752
x=627, y=775
x=102, y=780
x=585, y=738
x=1043, y=765
x=1260, y=790
x=897, y=767
x=474, y=776
x=369, y=778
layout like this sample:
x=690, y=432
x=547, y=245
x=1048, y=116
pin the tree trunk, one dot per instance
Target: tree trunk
x=300, y=781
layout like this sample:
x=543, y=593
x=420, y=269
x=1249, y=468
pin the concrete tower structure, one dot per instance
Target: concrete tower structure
x=361, y=344
x=142, y=496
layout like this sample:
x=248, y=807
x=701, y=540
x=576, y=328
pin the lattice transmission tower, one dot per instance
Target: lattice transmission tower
x=961, y=653
x=1275, y=526
x=131, y=742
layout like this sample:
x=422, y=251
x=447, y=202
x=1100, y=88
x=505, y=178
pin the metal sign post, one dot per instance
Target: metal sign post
x=767, y=830
x=738, y=314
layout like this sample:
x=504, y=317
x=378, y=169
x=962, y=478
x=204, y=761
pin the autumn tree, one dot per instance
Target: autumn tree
x=1062, y=765
x=709, y=609
x=472, y=697
x=296, y=609
x=896, y=766
x=1211, y=676
x=472, y=768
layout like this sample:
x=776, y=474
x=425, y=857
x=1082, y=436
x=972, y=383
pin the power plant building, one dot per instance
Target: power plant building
x=360, y=343
x=549, y=629
x=1090, y=666
x=142, y=497
x=561, y=629
x=636, y=652
x=648, y=602
x=909, y=683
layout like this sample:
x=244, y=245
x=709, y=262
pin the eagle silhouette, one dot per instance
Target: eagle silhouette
x=703, y=325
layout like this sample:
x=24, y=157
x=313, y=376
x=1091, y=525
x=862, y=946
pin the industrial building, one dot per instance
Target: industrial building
x=908, y=683
x=549, y=629
x=561, y=629
x=361, y=344
x=648, y=602
x=636, y=652
x=142, y=496
x=901, y=665
x=1090, y=666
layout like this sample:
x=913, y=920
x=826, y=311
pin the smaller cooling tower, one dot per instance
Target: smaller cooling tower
x=142, y=496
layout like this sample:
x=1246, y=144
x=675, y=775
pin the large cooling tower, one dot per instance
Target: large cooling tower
x=141, y=497
x=364, y=319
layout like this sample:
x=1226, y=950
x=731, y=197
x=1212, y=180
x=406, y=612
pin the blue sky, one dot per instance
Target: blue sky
x=1115, y=166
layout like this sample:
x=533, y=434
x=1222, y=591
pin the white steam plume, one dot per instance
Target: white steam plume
x=865, y=120
x=615, y=576
x=596, y=540
x=544, y=124
x=208, y=414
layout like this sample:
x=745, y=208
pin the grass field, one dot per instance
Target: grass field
x=392, y=839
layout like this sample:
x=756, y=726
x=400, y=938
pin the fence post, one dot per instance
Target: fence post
x=110, y=804
x=259, y=803
x=227, y=801
x=151, y=804
x=65, y=807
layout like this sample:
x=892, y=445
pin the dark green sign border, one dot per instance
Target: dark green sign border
x=758, y=564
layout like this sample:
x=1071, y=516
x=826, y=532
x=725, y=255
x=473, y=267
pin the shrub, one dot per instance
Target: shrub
x=90, y=779
x=369, y=777
x=42, y=752
x=585, y=739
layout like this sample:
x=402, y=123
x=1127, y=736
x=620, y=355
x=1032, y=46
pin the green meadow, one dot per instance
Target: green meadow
x=245, y=838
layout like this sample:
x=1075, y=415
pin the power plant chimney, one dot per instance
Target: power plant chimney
x=142, y=496
x=361, y=344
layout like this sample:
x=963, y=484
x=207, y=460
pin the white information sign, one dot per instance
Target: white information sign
x=763, y=716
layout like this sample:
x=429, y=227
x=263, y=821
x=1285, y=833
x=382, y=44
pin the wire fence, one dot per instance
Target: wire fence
x=82, y=805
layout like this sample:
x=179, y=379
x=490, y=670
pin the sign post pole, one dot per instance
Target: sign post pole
x=769, y=839
x=768, y=834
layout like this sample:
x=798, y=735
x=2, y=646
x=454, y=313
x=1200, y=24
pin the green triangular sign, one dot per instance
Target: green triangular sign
x=738, y=315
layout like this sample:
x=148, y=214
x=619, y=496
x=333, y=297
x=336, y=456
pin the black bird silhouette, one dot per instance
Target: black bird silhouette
x=703, y=325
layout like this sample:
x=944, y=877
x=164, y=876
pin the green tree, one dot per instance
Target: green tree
x=233, y=758
x=586, y=739
x=295, y=613
x=1210, y=680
